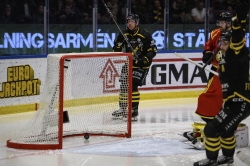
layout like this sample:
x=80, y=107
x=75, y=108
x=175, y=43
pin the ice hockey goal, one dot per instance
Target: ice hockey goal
x=80, y=92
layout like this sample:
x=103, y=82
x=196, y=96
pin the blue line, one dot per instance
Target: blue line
x=22, y=56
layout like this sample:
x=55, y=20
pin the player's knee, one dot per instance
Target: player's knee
x=227, y=134
x=210, y=130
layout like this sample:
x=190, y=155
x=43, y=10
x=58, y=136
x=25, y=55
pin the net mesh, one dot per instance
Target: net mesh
x=91, y=94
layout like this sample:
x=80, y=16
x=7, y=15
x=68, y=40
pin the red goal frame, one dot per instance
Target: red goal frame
x=59, y=145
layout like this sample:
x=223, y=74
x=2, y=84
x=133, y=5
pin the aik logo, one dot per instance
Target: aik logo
x=220, y=58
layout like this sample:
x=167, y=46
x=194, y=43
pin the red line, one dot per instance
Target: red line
x=176, y=60
x=174, y=87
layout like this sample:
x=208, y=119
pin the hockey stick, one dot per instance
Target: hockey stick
x=197, y=64
x=126, y=39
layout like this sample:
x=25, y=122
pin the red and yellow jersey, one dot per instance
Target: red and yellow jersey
x=212, y=44
x=210, y=101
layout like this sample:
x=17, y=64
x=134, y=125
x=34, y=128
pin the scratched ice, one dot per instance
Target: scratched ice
x=138, y=147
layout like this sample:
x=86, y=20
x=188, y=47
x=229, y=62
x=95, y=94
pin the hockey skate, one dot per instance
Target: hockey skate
x=196, y=133
x=224, y=160
x=206, y=162
x=194, y=139
x=196, y=144
x=134, y=115
x=119, y=114
x=189, y=135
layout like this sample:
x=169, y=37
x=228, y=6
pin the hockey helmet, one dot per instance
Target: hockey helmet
x=225, y=16
x=132, y=16
x=226, y=35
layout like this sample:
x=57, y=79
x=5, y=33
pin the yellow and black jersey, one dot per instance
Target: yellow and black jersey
x=234, y=67
x=141, y=41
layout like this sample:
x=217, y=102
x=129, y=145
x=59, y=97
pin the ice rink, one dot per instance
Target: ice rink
x=155, y=141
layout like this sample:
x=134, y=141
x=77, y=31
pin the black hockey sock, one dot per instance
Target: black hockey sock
x=228, y=146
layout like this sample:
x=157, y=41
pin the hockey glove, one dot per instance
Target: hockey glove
x=241, y=9
x=206, y=56
x=142, y=62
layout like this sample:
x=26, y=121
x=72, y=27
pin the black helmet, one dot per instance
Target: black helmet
x=132, y=16
x=225, y=16
x=226, y=35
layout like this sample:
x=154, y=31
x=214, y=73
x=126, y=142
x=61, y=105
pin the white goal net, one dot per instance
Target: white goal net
x=80, y=92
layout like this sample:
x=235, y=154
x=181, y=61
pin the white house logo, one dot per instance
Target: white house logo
x=110, y=75
x=158, y=36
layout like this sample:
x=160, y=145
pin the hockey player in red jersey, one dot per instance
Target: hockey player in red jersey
x=210, y=101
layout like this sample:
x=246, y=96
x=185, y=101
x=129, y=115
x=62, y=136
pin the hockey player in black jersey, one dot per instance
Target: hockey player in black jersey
x=234, y=75
x=143, y=50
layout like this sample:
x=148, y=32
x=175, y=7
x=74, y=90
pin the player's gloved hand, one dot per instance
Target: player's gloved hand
x=142, y=62
x=135, y=55
x=241, y=9
x=135, y=62
x=206, y=56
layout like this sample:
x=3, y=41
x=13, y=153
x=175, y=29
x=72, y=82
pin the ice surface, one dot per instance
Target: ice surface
x=155, y=141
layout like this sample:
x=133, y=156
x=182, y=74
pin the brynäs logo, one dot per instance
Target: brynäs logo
x=110, y=75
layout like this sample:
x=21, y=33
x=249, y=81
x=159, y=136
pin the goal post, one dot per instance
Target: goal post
x=80, y=92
